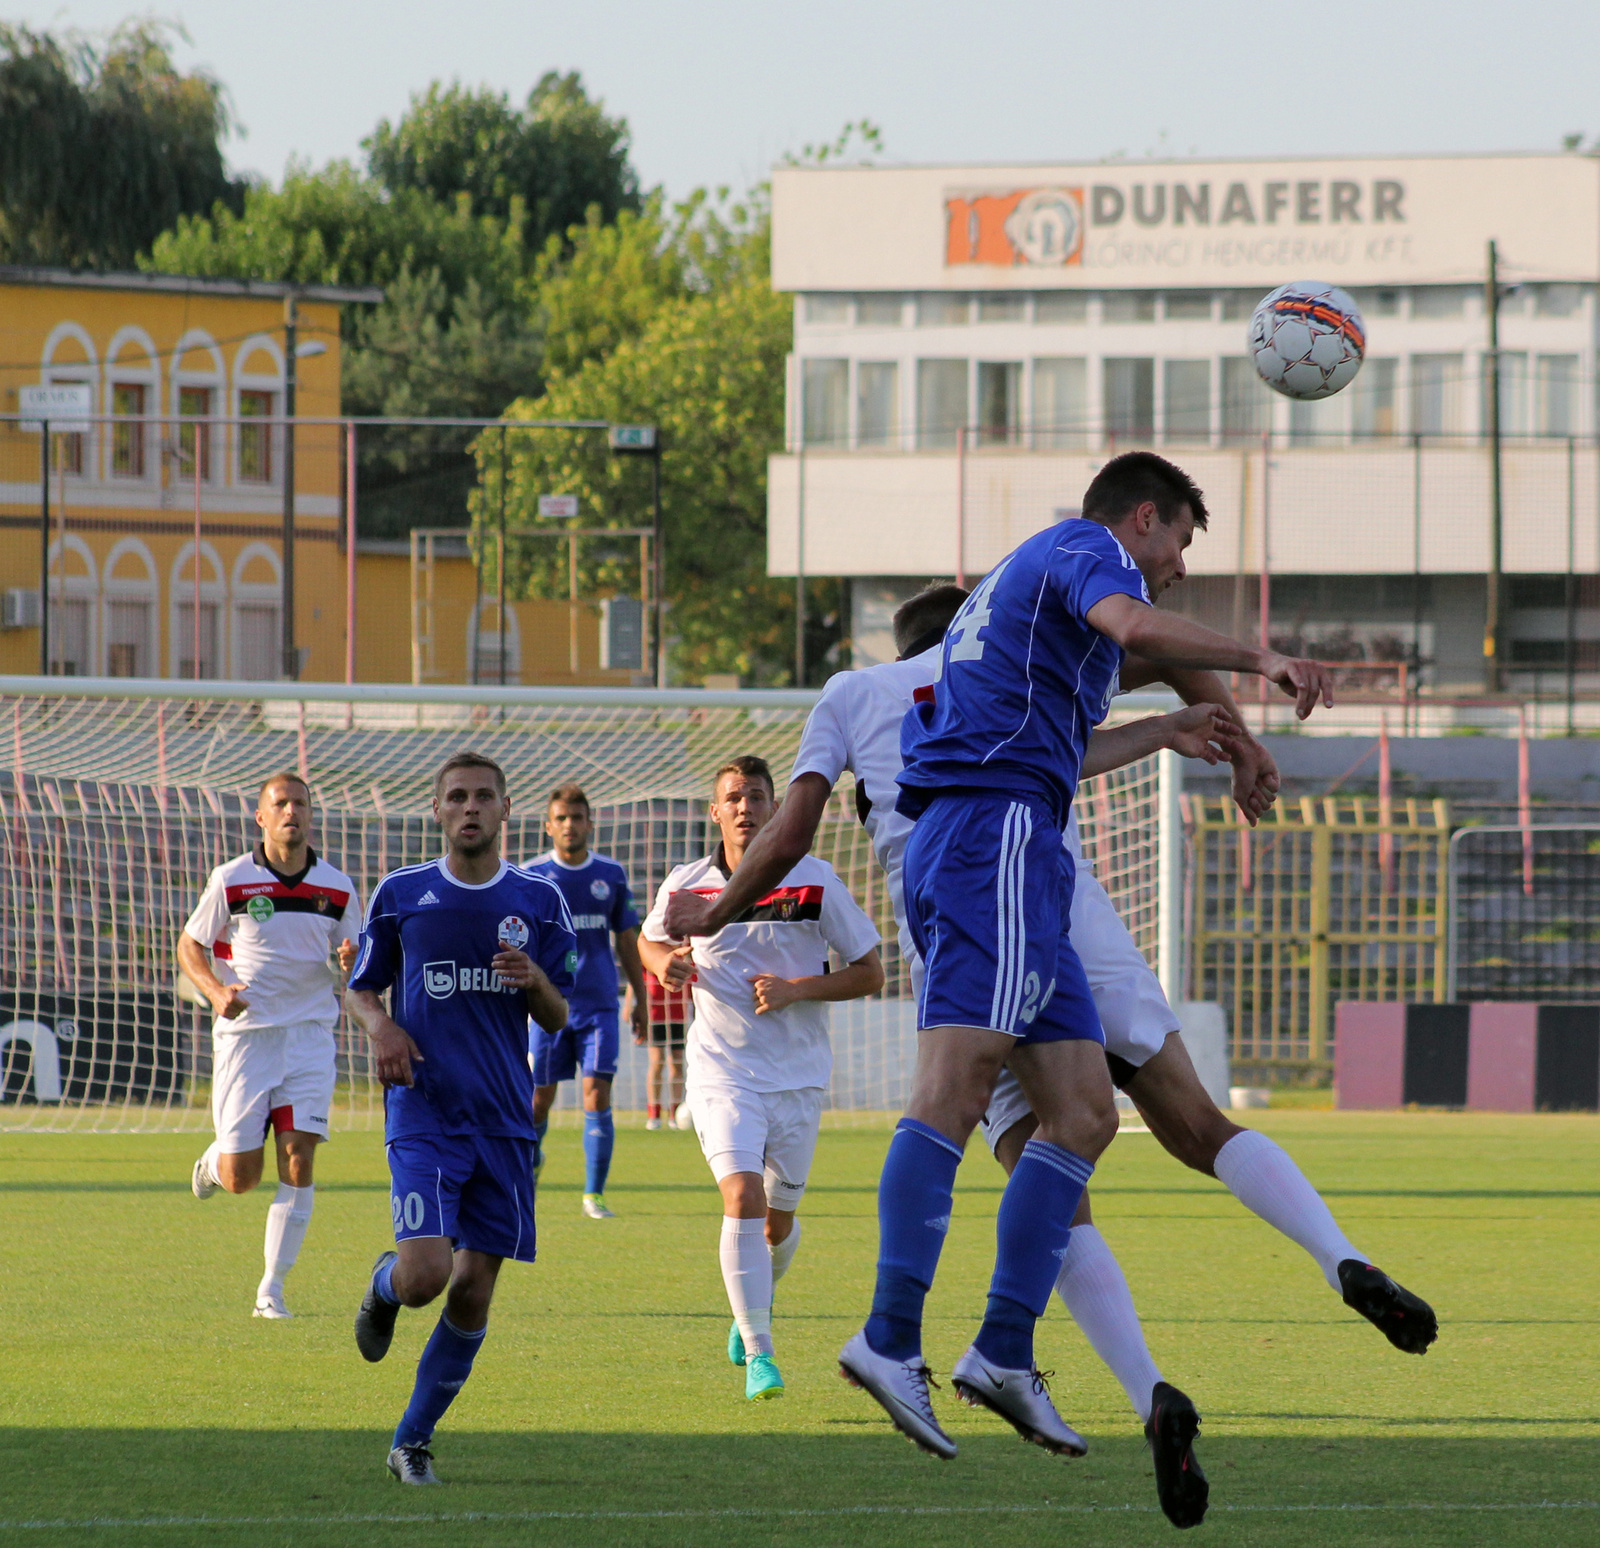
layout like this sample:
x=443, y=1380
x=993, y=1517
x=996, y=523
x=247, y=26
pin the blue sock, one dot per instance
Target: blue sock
x=383, y=1282
x=914, y=1198
x=539, y=1132
x=441, y=1373
x=599, y=1138
x=1033, y=1228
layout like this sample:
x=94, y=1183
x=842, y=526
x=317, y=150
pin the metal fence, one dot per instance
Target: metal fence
x=1525, y=913
x=1338, y=899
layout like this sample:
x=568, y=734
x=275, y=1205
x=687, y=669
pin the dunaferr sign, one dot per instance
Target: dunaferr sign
x=1400, y=221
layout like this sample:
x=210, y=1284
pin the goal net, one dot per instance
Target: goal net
x=117, y=799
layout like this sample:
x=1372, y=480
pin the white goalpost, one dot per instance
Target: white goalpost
x=118, y=796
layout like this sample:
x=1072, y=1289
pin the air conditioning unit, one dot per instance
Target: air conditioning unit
x=20, y=608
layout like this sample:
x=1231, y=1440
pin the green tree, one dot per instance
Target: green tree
x=560, y=154
x=103, y=145
x=701, y=339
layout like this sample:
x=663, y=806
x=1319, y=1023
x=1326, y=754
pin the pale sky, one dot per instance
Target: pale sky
x=716, y=91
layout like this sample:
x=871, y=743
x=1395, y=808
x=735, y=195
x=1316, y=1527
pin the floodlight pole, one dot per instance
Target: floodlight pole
x=658, y=615
x=1491, y=619
x=44, y=549
x=291, y=321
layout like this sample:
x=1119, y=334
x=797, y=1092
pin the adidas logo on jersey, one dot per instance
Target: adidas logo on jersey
x=427, y=897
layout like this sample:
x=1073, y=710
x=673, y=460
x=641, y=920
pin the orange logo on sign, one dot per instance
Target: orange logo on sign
x=1035, y=226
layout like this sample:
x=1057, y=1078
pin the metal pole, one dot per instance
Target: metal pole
x=961, y=507
x=44, y=548
x=350, y=552
x=800, y=573
x=572, y=601
x=1491, y=624
x=196, y=559
x=1169, y=883
x=1572, y=582
x=1416, y=559
x=659, y=560
x=500, y=564
x=291, y=320
x=1264, y=598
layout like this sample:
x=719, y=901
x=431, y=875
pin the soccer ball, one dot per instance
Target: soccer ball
x=1307, y=340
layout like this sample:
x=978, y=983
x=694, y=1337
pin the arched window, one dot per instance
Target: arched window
x=70, y=360
x=182, y=652
x=257, y=396
x=74, y=591
x=199, y=384
x=128, y=610
x=257, y=589
x=133, y=397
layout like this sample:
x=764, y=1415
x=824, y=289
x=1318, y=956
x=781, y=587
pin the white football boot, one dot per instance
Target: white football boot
x=201, y=1183
x=412, y=1465
x=271, y=1307
x=901, y=1388
x=1021, y=1398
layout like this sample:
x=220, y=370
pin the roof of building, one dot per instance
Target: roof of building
x=187, y=284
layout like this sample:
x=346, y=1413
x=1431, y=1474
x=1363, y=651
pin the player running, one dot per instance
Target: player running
x=601, y=903
x=472, y=947
x=759, y=1055
x=277, y=917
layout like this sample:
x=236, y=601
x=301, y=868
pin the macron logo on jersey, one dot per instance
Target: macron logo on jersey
x=442, y=979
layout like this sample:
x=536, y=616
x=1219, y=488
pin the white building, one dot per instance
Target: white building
x=972, y=343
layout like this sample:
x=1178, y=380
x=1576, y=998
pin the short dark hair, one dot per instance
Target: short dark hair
x=931, y=609
x=571, y=794
x=283, y=777
x=1126, y=482
x=467, y=759
x=750, y=766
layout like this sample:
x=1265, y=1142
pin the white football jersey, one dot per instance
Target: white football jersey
x=275, y=934
x=787, y=933
x=855, y=725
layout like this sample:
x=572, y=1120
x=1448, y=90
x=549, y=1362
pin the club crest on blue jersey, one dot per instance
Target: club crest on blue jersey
x=513, y=933
x=600, y=890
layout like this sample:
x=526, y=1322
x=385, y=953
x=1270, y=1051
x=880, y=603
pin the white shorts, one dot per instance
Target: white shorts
x=1128, y=995
x=272, y=1078
x=773, y=1133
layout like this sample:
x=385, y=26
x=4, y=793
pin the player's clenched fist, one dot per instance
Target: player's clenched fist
x=517, y=968
x=229, y=1002
x=678, y=969
x=393, y=1052
x=688, y=914
x=773, y=993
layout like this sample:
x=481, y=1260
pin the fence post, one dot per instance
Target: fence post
x=1321, y=879
x=1169, y=895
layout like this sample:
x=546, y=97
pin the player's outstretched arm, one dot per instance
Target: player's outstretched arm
x=1203, y=731
x=227, y=1000
x=778, y=849
x=864, y=976
x=1170, y=640
x=393, y=1052
x=1256, y=780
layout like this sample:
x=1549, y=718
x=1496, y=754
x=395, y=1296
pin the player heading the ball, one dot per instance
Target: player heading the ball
x=470, y=948
x=273, y=921
x=759, y=1055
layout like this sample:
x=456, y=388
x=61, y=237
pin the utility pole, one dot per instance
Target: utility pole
x=1491, y=620
x=291, y=325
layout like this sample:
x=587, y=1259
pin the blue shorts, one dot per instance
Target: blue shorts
x=589, y=1045
x=475, y=1189
x=988, y=889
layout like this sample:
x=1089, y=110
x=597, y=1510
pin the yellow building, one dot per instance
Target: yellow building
x=185, y=378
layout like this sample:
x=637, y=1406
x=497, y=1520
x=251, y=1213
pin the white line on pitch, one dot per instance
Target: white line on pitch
x=446, y=1517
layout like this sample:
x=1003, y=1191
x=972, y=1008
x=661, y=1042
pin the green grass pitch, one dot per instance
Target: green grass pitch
x=143, y=1405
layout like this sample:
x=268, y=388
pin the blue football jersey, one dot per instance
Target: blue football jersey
x=601, y=902
x=1022, y=679
x=433, y=938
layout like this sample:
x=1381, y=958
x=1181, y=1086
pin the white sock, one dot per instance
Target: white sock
x=1092, y=1287
x=783, y=1253
x=1261, y=1175
x=747, y=1274
x=287, y=1218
